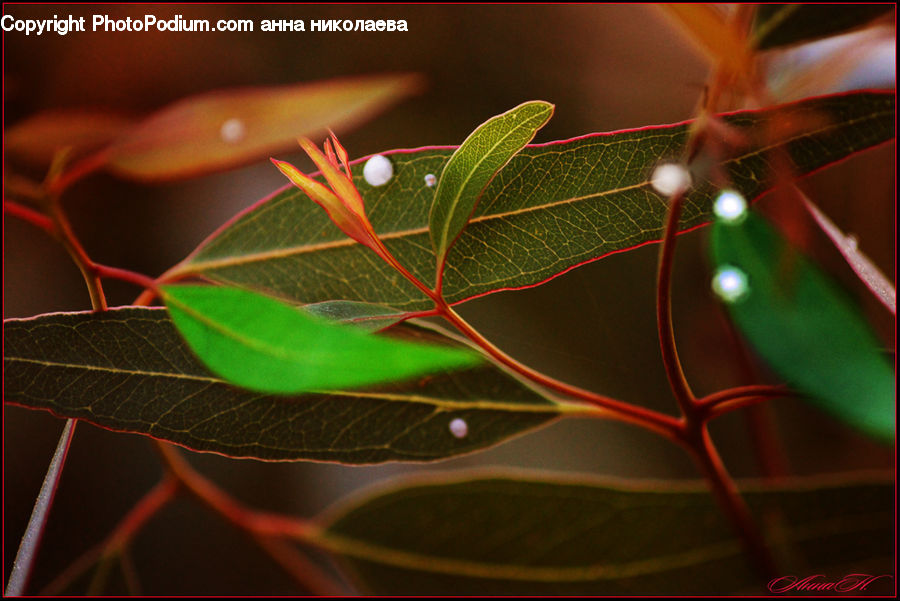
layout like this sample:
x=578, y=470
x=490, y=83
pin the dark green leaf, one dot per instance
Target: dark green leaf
x=475, y=163
x=784, y=24
x=806, y=328
x=227, y=128
x=262, y=344
x=517, y=535
x=129, y=370
x=554, y=206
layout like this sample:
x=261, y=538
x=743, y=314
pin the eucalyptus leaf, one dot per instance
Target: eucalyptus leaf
x=553, y=207
x=806, y=328
x=227, y=128
x=515, y=534
x=474, y=164
x=129, y=370
x=262, y=344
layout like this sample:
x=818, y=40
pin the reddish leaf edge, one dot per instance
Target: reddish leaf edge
x=686, y=122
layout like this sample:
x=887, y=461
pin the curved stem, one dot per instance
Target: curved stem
x=730, y=500
x=33, y=217
x=78, y=254
x=132, y=277
x=124, y=532
x=27, y=552
x=265, y=529
x=78, y=171
x=739, y=392
x=664, y=424
x=674, y=372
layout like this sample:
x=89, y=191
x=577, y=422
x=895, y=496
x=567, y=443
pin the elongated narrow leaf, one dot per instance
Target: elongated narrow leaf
x=475, y=163
x=129, y=370
x=784, y=24
x=513, y=535
x=553, y=207
x=38, y=138
x=262, y=344
x=225, y=129
x=805, y=327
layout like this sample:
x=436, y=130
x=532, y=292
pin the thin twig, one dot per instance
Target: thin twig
x=121, y=536
x=615, y=409
x=262, y=527
x=671, y=362
x=28, y=548
x=733, y=505
x=33, y=217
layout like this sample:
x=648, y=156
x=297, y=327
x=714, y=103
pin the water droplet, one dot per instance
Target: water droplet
x=670, y=178
x=730, y=284
x=851, y=241
x=459, y=428
x=730, y=207
x=378, y=171
x=233, y=131
x=430, y=180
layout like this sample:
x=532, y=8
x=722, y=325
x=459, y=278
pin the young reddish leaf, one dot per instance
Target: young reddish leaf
x=714, y=33
x=40, y=137
x=128, y=369
x=515, y=534
x=262, y=344
x=805, y=327
x=553, y=207
x=224, y=129
x=474, y=164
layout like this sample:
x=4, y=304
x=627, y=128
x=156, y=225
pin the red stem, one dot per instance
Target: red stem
x=659, y=422
x=674, y=372
x=756, y=390
x=122, y=534
x=264, y=528
x=730, y=500
x=125, y=275
x=33, y=217
x=79, y=170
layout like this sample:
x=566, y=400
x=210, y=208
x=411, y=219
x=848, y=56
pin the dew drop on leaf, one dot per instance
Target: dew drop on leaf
x=730, y=207
x=730, y=284
x=459, y=428
x=233, y=131
x=670, y=178
x=378, y=171
x=851, y=242
x=430, y=180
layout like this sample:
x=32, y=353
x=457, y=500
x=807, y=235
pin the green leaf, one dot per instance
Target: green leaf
x=225, y=129
x=784, y=24
x=129, y=370
x=513, y=534
x=806, y=328
x=262, y=344
x=474, y=164
x=553, y=207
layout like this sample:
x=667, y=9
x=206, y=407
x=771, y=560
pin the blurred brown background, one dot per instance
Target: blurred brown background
x=605, y=68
